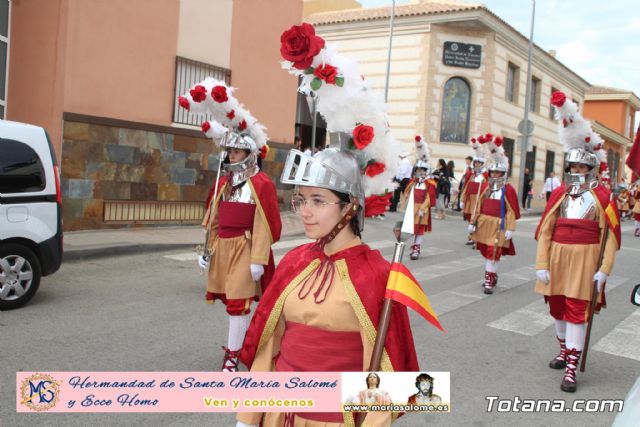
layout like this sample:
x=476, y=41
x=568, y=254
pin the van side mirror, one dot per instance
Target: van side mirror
x=635, y=295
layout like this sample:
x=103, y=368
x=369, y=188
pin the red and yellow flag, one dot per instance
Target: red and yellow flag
x=613, y=219
x=405, y=289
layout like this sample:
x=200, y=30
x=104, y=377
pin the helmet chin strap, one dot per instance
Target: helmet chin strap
x=344, y=222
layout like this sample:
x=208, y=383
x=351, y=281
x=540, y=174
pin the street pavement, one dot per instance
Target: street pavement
x=145, y=312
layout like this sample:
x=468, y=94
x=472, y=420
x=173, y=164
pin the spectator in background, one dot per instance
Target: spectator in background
x=530, y=195
x=402, y=178
x=526, y=187
x=550, y=184
x=450, y=174
x=297, y=143
x=443, y=187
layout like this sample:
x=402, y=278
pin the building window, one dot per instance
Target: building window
x=551, y=108
x=508, y=150
x=530, y=162
x=456, y=105
x=534, y=100
x=616, y=166
x=188, y=73
x=513, y=78
x=549, y=162
x=4, y=54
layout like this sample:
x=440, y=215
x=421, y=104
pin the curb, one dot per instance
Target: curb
x=110, y=251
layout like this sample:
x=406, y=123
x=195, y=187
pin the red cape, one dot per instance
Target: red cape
x=368, y=272
x=267, y=204
x=603, y=195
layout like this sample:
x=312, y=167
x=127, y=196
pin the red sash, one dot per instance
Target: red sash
x=235, y=218
x=307, y=348
x=491, y=207
x=576, y=231
x=419, y=196
x=472, y=188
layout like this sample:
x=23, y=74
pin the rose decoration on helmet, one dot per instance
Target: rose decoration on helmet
x=219, y=94
x=348, y=104
x=225, y=112
x=299, y=44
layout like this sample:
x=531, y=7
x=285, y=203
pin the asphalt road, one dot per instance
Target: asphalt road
x=146, y=313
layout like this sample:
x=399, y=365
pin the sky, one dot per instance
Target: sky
x=600, y=41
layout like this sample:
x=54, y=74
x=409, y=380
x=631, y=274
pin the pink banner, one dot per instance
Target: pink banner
x=178, y=392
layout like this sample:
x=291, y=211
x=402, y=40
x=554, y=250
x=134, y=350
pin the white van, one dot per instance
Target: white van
x=30, y=212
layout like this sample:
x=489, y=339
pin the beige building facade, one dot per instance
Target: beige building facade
x=442, y=89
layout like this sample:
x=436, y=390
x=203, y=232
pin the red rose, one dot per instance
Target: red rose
x=418, y=138
x=488, y=137
x=558, y=98
x=205, y=126
x=375, y=169
x=473, y=140
x=219, y=94
x=231, y=114
x=184, y=102
x=242, y=125
x=498, y=141
x=299, y=44
x=362, y=136
x=603, y=167
x=264, y=151
x=198, y=93
x=376, y=204
x=326, y=72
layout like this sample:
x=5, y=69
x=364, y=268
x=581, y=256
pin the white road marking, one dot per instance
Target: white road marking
x=534, y=318
x=453, y=299
x=624, y=339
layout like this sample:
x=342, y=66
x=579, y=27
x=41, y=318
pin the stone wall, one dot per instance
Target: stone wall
x=104, y=162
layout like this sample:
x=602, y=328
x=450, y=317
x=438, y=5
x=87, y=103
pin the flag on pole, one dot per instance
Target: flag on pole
x=633, y=160
x=405, y=289
x=613, y=219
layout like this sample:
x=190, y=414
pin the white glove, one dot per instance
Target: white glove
x=543, y=276
x=420, y=212
x=471, y=228
x=600, y=278
x=257, y=270
x=508, y=235
x=241, y=424
x=203, y=262
x=461, y=205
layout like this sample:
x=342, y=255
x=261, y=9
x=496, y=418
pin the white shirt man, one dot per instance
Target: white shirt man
x=550, y=184
x=404, y=168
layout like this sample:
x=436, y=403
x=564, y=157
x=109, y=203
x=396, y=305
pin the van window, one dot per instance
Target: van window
x=21, y=170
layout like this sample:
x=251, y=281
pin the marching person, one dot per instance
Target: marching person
x=325, y=296
x=424, y=196
x=322, y=309
x=493, y=221
x=242, y=218
x=636, y=207
x=623, y=202
x=473, y=179
x=578, y=217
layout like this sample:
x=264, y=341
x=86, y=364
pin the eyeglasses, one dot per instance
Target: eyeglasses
x=298, y=202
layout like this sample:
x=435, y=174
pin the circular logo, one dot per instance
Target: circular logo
x=454, y=47
x=40, y=392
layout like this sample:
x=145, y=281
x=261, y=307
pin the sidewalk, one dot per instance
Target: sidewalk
x=81, y=245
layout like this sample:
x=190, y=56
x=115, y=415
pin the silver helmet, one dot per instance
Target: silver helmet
x=424, y=173
x=245, y=169
x=331, y=168
x=499, y=182
x=577, y=183
x=479, y=159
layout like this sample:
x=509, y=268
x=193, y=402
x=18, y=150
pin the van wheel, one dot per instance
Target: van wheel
x=19, y=275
